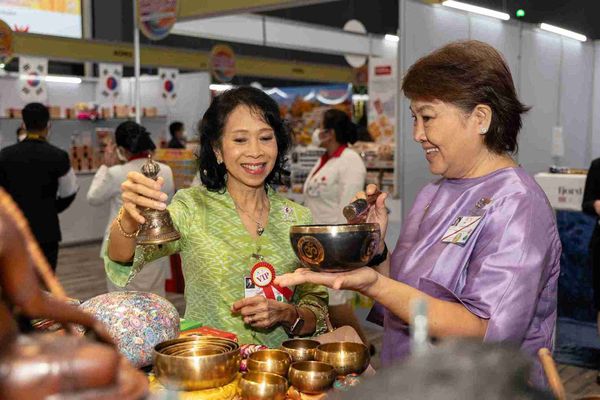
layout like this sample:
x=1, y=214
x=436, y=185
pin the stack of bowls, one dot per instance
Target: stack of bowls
x=196, y=363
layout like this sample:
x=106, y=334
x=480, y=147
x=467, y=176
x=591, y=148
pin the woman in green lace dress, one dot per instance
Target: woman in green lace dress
x=233, y=224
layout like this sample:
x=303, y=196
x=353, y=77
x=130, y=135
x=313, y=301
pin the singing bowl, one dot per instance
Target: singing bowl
x=300, y=349
x=345, y=357
x=335, y=248
x=273, y=361
x=312, y=376
x=202, y=365
x=262, y=385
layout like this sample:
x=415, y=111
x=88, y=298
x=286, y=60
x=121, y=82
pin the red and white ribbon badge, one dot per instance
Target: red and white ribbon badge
x=263, y=275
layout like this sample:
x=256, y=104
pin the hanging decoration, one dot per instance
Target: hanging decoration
x=222, y=63
x=32, y=79
x=109, y=82
x=168, y=80
x=157, y=17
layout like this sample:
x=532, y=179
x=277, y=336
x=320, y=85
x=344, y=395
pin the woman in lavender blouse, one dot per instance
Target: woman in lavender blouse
x=480, y=244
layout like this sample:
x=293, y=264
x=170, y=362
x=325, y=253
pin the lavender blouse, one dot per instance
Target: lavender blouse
x=506, y=272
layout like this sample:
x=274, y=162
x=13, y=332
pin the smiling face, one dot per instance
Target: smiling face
x=451, y=139
x=248, y=148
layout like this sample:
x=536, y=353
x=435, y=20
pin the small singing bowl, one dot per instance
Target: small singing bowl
x=346, y=357
x=300, y=349
x=312, y=377
x=262, y=385
x=273, y=361
x=335, y=248
x=197, y=367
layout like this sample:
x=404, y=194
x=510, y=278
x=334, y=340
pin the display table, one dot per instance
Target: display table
x=565, y=192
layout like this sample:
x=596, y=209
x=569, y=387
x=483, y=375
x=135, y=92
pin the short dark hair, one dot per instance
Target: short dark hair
x=466, y=74
x=213, y=122
x=344, y=128
x=35, y=117
x=175, y=127
x=133, y=137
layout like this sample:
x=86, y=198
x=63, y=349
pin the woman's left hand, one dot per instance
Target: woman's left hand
x=361, y=280
x=260, y=312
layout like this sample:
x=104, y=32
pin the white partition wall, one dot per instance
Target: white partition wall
x=558, y=77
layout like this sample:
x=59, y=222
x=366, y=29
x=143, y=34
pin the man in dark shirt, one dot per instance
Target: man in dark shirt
x=177, y=131
x=40, y=179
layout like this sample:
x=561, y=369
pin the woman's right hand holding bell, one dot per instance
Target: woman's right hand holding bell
x=139, y=191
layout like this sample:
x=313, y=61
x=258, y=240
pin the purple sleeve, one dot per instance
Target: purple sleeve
x=511, y=277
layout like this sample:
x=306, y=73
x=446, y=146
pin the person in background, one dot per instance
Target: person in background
x=40, y=179
x=132, y=149
x=591, y=206
x=21, y=133
x=331, y=184
x=178, y=139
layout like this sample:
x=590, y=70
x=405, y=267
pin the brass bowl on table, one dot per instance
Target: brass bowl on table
x=300, y=349
x=335, y=248
x=345, y=357
x=312, y=377
x=196, y=363
x=262, y=386
x=271, y=360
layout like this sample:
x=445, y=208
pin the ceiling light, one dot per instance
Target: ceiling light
x=476, y=9
x=391, y=38
x=220, y=87
x=2, y=65
x=564, y=32
x=62, y=79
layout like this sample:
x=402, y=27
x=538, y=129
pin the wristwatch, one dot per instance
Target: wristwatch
x=296, y=327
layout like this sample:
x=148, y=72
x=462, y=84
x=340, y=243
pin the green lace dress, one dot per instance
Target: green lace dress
x=217, y=254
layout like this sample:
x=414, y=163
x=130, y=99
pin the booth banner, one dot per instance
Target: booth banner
x=109, y=82
x=222, y=63
x=168, y=81
x=383, y=88
x=32, y=79
x=6, y=42
x=157, y=17
x=564, y=191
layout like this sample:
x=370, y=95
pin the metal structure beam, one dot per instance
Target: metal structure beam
x=81, y=50
x=194, y=9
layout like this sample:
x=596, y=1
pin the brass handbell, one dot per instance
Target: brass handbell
x=158, y=227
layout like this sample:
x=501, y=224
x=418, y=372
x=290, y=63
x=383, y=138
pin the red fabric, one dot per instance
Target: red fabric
x=175, y=284
x=326, y=157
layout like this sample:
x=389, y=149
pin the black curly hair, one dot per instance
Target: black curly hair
x=212, y=174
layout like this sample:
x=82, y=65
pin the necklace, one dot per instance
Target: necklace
x=260, y=229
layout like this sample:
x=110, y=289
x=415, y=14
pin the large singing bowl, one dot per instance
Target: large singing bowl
x=335, y=248
x=137, y=321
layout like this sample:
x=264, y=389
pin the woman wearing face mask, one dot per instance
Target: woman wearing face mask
x=331, y=185
x=480, y=244
x=132, y=149
x=234, y=227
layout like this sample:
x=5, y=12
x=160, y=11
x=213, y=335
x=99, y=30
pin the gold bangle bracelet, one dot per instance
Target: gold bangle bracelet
x=121, y=230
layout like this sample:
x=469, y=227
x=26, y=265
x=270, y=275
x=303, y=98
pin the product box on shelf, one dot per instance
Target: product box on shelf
x=183, y=163
x=149, y=112
x=121, y=111
x=13, y=112
x=55, y=112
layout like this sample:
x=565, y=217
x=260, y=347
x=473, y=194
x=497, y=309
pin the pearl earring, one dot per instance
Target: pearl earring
x=483, y=131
